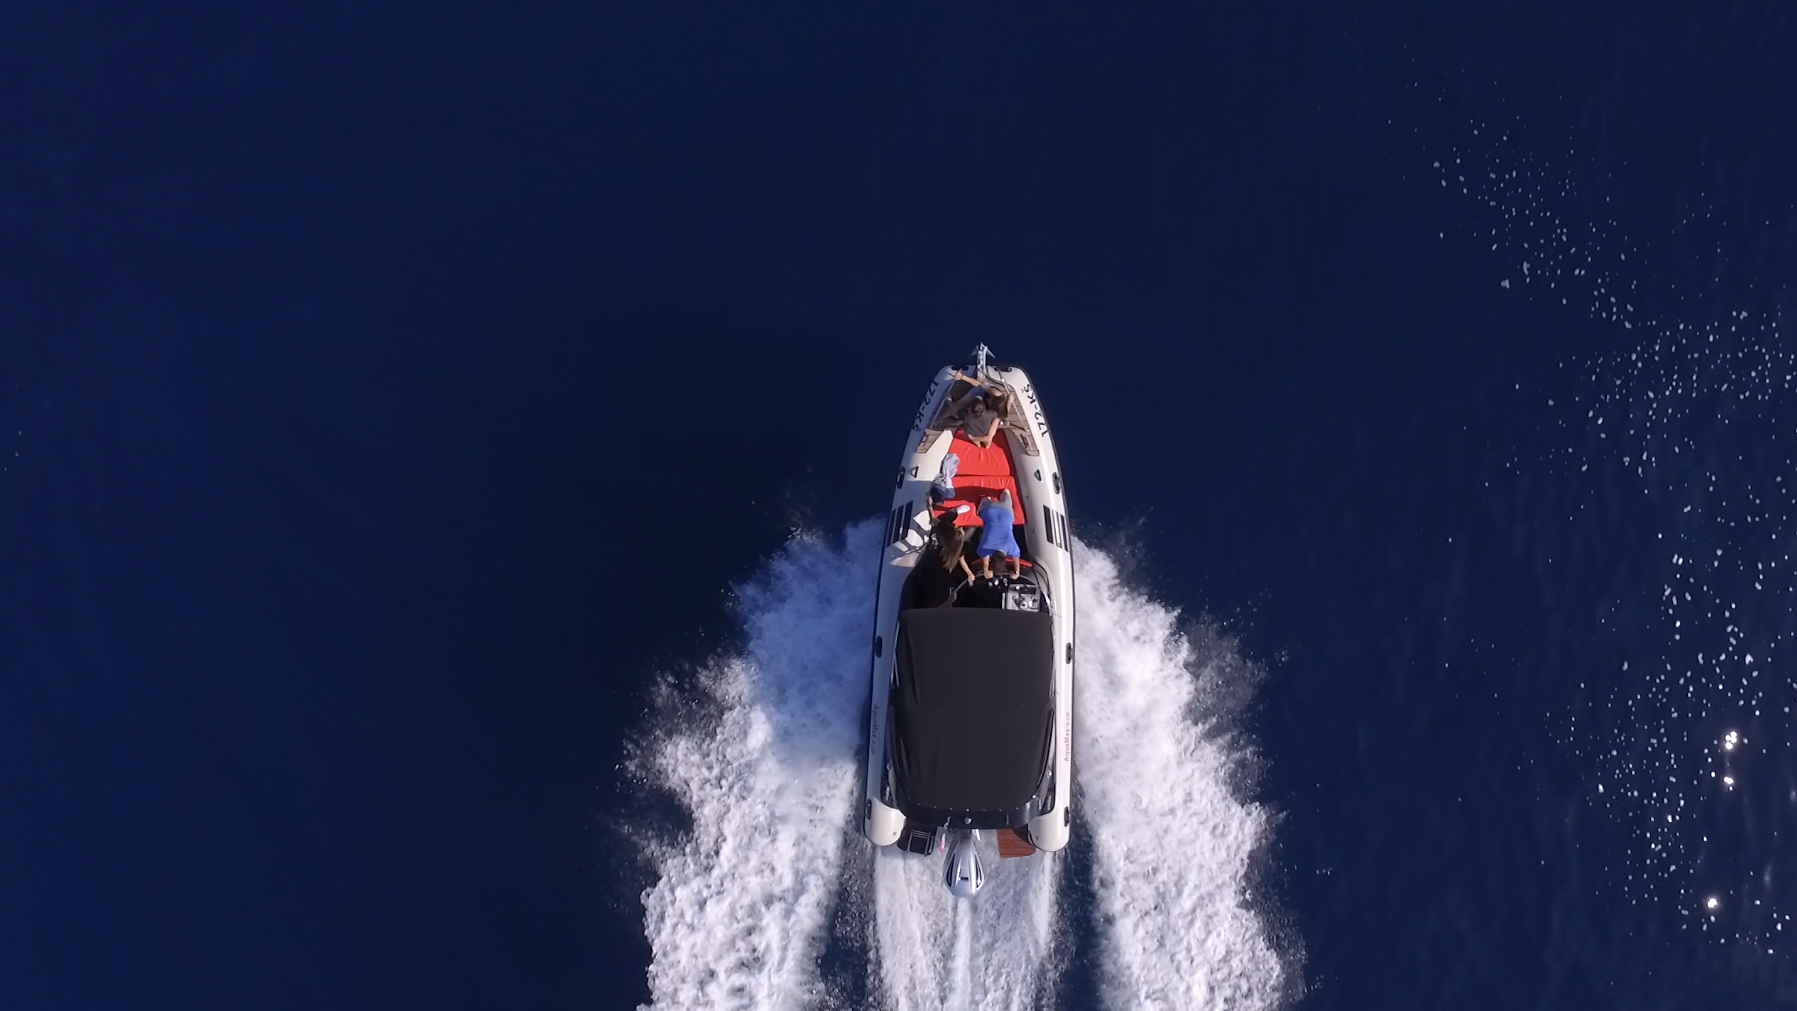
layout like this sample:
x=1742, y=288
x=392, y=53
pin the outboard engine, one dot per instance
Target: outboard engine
x=962, y=871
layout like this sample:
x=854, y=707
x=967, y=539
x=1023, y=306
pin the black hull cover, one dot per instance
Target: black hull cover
x=972, y=705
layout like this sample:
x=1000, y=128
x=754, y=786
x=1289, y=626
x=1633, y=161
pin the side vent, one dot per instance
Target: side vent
x=895, y=524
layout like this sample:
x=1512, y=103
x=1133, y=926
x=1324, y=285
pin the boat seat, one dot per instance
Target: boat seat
x=969, y=492
x=993, y=461
x=984, y=473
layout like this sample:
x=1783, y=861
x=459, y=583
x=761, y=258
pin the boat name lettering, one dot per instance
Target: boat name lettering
x=918, y=422
x=1029, y=393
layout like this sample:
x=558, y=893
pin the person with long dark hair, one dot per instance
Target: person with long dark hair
x=935, y=576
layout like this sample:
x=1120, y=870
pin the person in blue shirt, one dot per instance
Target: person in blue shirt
x=998, y=535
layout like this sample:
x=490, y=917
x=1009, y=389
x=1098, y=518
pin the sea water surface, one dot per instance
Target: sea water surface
x=436, y=446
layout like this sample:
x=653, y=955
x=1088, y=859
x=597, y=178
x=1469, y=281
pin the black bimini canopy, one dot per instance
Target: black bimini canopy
x=972, y=707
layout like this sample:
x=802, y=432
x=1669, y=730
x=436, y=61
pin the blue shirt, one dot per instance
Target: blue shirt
x=999, y=534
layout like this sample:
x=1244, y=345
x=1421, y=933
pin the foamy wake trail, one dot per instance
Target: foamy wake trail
x=765, y=761
x=939, y=953
x=1171, y=843
x=767, y=769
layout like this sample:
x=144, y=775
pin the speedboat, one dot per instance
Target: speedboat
x=970, y=718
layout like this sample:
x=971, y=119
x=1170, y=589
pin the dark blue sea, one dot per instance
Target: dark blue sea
x=438, y=446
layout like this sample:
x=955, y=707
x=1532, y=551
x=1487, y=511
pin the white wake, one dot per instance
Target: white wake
x=1171, y=842
x=987, y=954
x=768, y=772
x=765, y=761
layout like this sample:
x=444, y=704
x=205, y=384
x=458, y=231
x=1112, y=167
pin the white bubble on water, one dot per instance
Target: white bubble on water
x=1172, y=841
x=1690, y=414
x=763, y=754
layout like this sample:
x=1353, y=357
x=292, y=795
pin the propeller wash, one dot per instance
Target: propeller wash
x=764, y=753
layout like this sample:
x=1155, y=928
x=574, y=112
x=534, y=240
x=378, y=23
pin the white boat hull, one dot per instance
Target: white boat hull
x=1046, y=543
